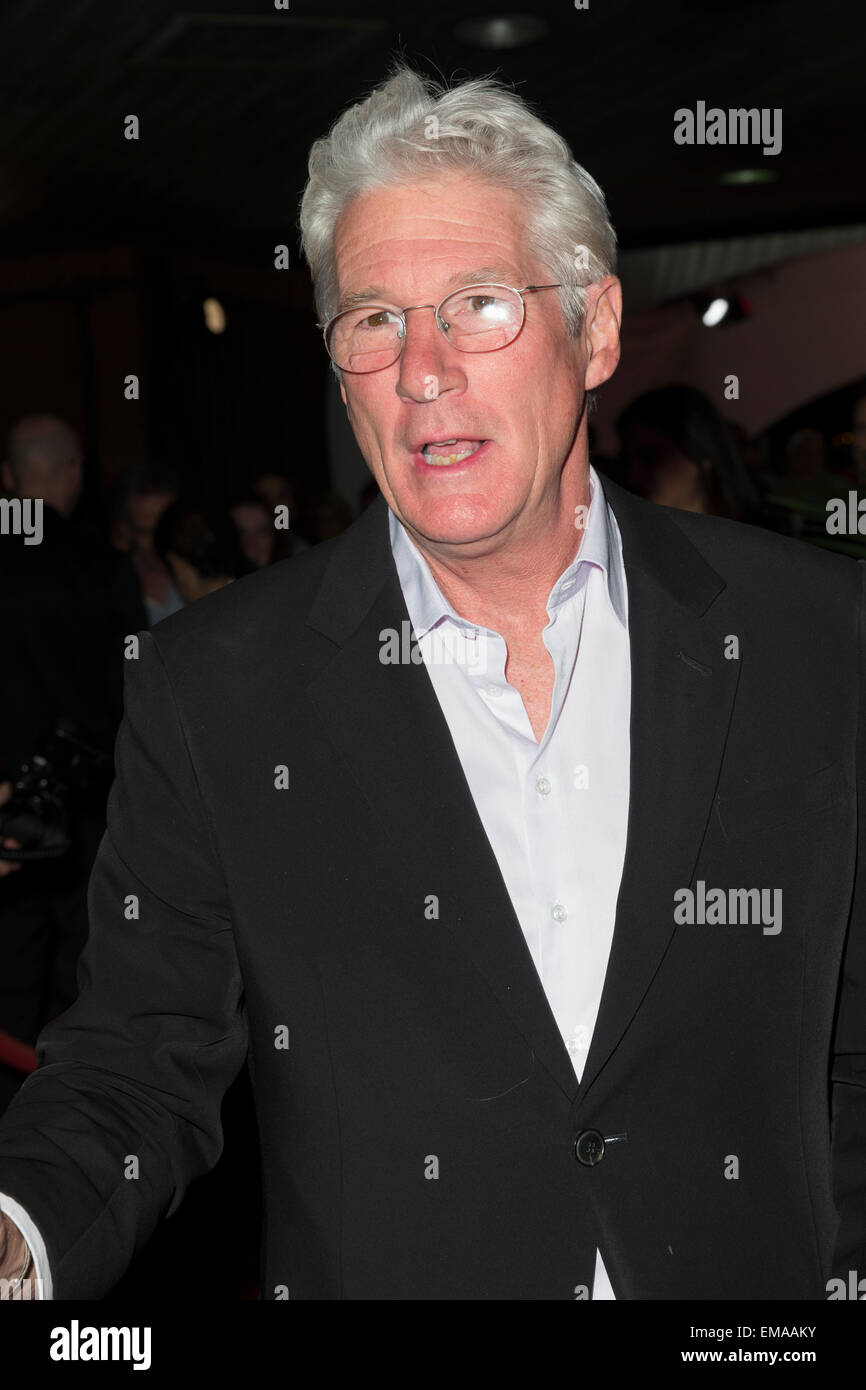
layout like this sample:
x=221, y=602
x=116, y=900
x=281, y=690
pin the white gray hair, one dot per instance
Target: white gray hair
x=411, y=125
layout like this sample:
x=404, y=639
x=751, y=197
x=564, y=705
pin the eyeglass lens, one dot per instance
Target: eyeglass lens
x=479, y=318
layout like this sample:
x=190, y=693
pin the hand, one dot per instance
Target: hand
x=13, y=1249
x=6, y=865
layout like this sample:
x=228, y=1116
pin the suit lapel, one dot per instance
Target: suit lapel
x=388, y=724
x=683, y=690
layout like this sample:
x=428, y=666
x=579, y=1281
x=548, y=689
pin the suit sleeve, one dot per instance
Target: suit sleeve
x=849, y=1051
x=123, y=1111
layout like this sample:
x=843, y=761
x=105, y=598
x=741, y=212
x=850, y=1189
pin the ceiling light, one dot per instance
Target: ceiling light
x=740, y=178
x=716, y=310
x=214, y=316
x=502, y=31
x=722, y=306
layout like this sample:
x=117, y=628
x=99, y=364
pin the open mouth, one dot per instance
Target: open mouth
x=440, y=453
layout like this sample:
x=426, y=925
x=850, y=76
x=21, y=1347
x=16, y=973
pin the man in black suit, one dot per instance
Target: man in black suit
x=541, y=923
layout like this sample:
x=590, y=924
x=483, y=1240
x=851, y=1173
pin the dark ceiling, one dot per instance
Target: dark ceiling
x=230, y=95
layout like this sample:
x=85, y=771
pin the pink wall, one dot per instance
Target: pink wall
x=806, y=336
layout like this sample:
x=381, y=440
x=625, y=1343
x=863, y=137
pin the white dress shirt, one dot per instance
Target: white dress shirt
x=555, y=811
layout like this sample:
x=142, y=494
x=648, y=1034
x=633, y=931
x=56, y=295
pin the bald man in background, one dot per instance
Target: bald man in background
x=66, y=604
x=44, y=459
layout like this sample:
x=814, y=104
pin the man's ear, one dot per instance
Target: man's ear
x=601, y=330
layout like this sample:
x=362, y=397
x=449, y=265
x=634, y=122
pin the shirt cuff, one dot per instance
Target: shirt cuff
x=28, y=1229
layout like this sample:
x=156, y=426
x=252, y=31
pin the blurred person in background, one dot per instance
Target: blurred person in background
x=255, y=524
x=750, y=450
x=44, y=459
x=799, y=500
x=200, y=548
x=278, y=490
x=329, y=515
x=67, y=603
x=679, y=452
x=804, y=455
x=7, y=866
x=857, y=458
x=140, y=500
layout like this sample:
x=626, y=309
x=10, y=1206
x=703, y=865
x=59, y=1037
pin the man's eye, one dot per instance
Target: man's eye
x=477, y=302
x=377, y=320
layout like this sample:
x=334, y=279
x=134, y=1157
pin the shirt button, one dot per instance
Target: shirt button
x=542, y=786
x=494, y=692
x=568, y=584
x=558, y=912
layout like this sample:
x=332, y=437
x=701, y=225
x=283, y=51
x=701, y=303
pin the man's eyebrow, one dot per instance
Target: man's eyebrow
x=374, y=294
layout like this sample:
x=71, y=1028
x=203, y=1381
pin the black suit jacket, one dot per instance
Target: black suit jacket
x=418, y=1131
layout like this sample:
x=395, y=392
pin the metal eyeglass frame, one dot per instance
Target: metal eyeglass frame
x=401, y=314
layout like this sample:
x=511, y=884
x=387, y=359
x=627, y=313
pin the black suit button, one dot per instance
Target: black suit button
x=589, y=1147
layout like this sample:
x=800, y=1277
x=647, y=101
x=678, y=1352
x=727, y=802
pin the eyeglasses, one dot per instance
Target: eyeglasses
x=477, y=318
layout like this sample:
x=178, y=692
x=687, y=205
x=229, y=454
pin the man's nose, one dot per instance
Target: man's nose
x=429, y=365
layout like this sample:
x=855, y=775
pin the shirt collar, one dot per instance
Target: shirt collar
x=601, y=546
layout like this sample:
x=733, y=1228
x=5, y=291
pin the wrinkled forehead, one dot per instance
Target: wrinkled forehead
x=428, y=237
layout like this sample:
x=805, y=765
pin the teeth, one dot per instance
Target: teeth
x=439, y=460
x=442, y=460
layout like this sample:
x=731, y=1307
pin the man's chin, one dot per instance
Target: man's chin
x=463, y=526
